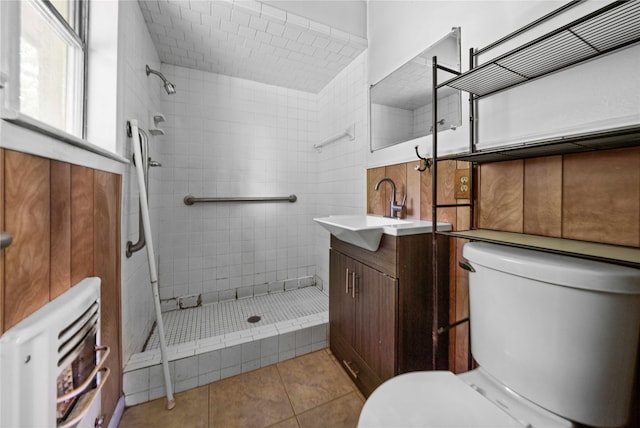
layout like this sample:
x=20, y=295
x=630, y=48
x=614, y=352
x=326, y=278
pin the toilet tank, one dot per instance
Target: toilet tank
x=558, y=330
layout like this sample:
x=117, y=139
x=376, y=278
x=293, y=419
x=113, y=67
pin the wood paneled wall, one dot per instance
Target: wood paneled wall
x=417, y=186
x=592, y=196
x=65, y=222
x=27, y=219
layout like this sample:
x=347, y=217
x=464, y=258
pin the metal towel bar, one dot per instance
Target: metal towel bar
x=349, y=132
x=190, y=199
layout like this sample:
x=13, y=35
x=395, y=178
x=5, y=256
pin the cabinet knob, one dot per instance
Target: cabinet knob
x=5, y=239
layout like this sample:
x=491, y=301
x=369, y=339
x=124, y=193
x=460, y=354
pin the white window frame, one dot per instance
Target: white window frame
x=10, y=18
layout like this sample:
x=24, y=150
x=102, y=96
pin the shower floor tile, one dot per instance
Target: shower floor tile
x=220, y=319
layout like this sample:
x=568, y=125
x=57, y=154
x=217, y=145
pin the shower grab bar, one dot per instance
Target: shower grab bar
x=190, y=199
x=144, y=150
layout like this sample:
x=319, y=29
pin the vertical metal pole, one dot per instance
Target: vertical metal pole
x=472, y=170
x=472, y=110
x=153, y=271
x=472, y=139
x=434, y=217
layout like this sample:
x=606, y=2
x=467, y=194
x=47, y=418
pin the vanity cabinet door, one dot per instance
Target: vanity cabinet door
x=341, y=304
x=363, y=321
x=376, y=299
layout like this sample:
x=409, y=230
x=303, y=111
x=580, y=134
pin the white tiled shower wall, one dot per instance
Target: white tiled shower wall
x=141, y=96
x=233, y=137
x=341, y=179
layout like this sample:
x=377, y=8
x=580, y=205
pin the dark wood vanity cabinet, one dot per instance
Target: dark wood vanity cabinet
x=364, y=313
x=380, y=304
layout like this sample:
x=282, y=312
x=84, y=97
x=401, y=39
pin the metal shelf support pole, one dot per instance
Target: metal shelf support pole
x=434, y=218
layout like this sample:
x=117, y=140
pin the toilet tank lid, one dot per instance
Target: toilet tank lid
x=554, y=268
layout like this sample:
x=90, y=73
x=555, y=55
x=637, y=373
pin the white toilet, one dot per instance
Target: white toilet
x=555, y=337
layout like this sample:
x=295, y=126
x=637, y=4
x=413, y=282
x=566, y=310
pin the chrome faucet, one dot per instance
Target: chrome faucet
x=394, y=208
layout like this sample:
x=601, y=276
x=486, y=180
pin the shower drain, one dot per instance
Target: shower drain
x=254, y=318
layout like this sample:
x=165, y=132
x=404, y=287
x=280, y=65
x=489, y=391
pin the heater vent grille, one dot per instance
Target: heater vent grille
x=72, y=337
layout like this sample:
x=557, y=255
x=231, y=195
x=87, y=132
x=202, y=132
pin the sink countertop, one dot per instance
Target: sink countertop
x=414, y=227
x=366, y=231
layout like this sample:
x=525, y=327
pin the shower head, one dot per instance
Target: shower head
x=168, y=86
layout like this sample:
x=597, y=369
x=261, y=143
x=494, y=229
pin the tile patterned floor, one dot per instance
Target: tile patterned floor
x=216, y=319
x=305, y=392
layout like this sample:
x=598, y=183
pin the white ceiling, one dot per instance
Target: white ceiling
x=250, y=40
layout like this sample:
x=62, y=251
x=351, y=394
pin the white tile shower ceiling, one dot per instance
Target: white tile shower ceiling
x=249, y=40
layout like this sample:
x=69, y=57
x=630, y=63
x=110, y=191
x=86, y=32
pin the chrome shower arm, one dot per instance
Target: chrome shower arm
x=168, y=86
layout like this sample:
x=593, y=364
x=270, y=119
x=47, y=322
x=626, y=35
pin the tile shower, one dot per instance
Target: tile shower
x=233, y=137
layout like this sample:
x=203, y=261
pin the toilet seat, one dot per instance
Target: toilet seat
x=443, y=400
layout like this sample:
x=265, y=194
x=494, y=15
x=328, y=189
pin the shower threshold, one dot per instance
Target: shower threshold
x=218, y=340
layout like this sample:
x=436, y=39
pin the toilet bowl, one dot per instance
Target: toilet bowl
x=443, y=400
x=541, y=332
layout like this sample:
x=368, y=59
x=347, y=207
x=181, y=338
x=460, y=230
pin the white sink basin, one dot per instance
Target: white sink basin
x=365, y=231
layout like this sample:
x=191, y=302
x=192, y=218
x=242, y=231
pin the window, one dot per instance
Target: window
x=49, y=48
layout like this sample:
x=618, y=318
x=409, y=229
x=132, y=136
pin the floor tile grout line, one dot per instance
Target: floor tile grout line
x=286, y=391
x=239, y=375
x=209, y=416
x=328, y=402
x=354, y=388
